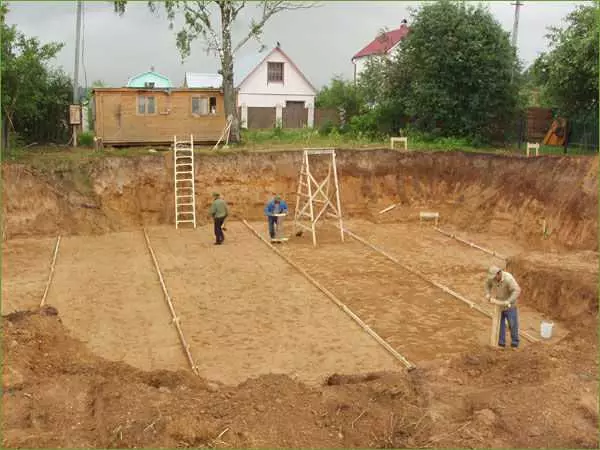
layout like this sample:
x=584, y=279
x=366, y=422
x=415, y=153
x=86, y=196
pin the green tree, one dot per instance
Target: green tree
x=28, y=85
x=568, y=73
x=451, y=74
x=200, y=23
x=341, y=95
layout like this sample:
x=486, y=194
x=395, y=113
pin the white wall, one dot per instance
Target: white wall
x=360, y=64
x=255, y=91
x=271, y=101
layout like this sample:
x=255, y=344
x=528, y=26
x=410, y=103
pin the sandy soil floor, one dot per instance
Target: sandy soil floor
x=453, y=263
x=246, y=312
x=25, y=268
x=109, y=296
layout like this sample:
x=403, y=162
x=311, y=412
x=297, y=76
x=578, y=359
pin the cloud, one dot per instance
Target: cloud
x=321, y=40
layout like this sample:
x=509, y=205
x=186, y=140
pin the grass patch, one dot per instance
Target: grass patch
x=272, y=140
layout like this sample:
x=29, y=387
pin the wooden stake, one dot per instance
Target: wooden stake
x=51, y=271
x=495, y=330
x=409, y=365
x=449, y=291
x=389, y=208
x=175, y=319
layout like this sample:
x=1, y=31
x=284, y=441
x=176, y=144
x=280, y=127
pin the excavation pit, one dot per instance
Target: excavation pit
x=248, y=315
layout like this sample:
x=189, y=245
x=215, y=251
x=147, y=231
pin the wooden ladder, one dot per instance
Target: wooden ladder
x=185, y=194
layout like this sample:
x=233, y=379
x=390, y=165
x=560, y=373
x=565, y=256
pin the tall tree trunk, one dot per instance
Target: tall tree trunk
x=5, y=133
x=227, y=71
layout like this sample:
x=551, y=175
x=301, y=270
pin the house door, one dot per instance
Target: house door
x=295, y=115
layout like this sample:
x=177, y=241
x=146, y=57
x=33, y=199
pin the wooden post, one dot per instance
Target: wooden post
x=495, y=331
x=496, y=316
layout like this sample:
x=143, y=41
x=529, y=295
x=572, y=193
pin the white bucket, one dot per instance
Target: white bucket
x=546, y=329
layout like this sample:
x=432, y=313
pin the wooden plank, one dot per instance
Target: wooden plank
x=471, y=304
x=409, y=365
x=52, y=265
x=470, y=244
x=175, y=318
x=495, y=329
x=389, y=208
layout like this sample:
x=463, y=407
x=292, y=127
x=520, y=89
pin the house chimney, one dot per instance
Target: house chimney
x=151, y=68
x=404, y=23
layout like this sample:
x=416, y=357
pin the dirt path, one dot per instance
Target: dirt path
x=25, y=268
x=108, y=295
x=245, y=312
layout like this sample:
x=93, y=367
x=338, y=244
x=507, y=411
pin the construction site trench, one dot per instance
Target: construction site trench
x=296, y=345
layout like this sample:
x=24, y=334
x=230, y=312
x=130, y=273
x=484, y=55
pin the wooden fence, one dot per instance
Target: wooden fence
x=538, y=122
x=325, y=115
x=261, y=118
x=293, y=117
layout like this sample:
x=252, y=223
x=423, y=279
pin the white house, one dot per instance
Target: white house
x=383, y=45
x=271, y=80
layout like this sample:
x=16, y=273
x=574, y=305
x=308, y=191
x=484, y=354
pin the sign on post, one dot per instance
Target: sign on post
x=75, y=115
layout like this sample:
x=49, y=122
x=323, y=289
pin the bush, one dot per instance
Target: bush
x=326, y=128
x=86, y=139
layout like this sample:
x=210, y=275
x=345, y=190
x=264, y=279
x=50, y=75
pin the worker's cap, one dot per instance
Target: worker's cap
x=493, y=271
x=277, y=198
x=215, y=194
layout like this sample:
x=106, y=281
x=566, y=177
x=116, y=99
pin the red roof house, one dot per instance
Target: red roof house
x=383, y=44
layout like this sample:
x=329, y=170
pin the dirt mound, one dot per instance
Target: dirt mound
x=563, y=286
x=477, y=192
x=57, y=394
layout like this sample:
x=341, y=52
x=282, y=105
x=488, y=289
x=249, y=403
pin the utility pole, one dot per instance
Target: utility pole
x=515, y=32
x=76, y=71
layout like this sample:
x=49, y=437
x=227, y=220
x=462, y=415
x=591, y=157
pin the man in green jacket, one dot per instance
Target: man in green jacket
x=218, y=211
x=507, y=291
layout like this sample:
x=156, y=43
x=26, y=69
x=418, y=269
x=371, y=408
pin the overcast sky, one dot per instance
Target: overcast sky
x=321, y=41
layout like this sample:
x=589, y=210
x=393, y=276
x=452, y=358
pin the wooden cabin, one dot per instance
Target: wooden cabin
x=138, y=116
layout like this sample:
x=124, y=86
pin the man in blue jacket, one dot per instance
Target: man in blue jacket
x=275, y=206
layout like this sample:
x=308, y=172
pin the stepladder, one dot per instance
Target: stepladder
x=184, y=186
x=317, y=199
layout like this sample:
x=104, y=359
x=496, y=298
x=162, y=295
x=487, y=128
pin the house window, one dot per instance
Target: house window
x=203, y=106
x=146, y=104
x=275, y=72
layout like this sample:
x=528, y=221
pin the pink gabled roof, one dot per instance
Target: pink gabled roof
x=384, y=42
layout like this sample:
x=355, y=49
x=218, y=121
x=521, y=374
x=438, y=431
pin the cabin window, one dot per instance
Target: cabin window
x=275, y=72
x=203, y=106
x=146, y=104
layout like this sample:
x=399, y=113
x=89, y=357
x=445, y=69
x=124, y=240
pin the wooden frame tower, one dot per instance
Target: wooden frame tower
x=315, y=199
